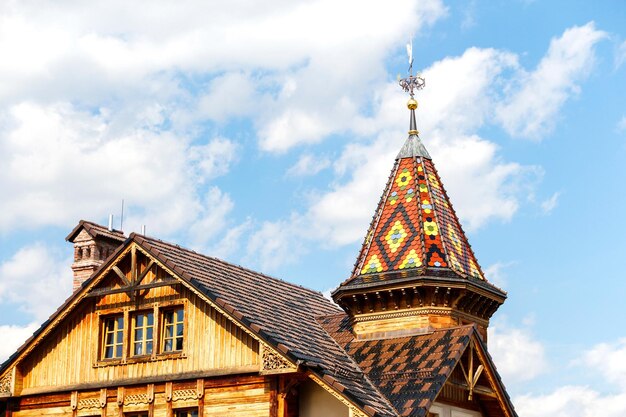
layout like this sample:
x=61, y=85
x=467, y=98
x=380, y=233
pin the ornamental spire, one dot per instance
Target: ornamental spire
x=410, y=84
x=413, y=145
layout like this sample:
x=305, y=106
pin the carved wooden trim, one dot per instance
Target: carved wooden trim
x=354, y=410
x=184, y=394
x=273, y=363
x=444, y=311
x=6, y=382
x=89, y=404
x=136, y=399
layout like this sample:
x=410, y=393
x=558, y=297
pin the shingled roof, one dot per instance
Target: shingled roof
x=387, y=377
x=96, y=230
x=283, y=314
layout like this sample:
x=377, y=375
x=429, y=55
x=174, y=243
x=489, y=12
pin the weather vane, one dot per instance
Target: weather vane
x=412, y=82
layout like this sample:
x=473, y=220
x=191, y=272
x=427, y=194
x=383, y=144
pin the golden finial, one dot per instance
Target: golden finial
x=412, y=104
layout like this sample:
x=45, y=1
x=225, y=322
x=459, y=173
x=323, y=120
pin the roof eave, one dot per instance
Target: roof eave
x=393, y=278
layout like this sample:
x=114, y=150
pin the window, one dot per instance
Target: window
x=192, y=412
x=173, y=326
x=143, y=333
x=113, y=340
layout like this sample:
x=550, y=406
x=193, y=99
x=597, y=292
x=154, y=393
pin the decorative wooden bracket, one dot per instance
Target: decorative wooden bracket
x=168, y=392
x=74, y=400
x=103, y=398
x=6, y=382
x=120, y=396
x=472, y=376
x=273, y=363
x=150, y=393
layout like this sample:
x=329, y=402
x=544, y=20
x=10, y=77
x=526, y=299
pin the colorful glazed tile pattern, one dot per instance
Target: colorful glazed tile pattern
x=416, y=226
x=395, y=243
x=460, y=255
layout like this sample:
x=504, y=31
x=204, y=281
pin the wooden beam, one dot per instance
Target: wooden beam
x=120, y=274
x=273, y=397
x=478, y=389
x=107, y=291
x=145, y=271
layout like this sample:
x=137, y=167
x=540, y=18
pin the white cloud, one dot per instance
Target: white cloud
x=533, y=106
x=609, y=359
x=125, y=51
x=308, y=165
x=213, y=212
x=518, y=355
x=212, y=159
x=62, y=163
x=550, y=204
x=275, y=244
x=496, y=273
x=229, y=95
x=571, y=401
x=37, y=279
x=231, y=241
x=620, y=55
x=621, y=125
x=118, y=97
x=13, y=337
x=294, y=127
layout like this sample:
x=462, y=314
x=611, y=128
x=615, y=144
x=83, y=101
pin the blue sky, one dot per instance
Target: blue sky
x=263, y=133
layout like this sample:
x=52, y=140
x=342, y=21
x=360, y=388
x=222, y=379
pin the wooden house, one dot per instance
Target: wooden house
x=153, y=329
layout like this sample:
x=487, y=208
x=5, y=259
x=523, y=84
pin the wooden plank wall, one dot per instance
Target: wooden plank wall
x=232, y=396
x=69, y=356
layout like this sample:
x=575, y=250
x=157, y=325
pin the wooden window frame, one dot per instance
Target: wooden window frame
x=164, y=325
x=186, y=410
x=133, y=331
x=116, y=342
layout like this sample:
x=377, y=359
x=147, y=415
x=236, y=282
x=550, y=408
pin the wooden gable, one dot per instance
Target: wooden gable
x=71, y=353
x=473, y=386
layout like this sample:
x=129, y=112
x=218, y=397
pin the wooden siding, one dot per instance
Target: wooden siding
x=247, y=396
x=71, y=355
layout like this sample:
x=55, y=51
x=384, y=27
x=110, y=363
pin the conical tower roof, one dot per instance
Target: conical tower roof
x=415, y=252
x=415, y=226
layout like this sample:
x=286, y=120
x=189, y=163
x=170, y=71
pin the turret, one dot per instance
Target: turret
x=416, y=270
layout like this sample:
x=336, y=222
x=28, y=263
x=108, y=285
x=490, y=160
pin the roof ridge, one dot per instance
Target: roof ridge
x=223, y=262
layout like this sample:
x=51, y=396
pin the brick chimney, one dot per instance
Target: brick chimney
x=92, y=246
